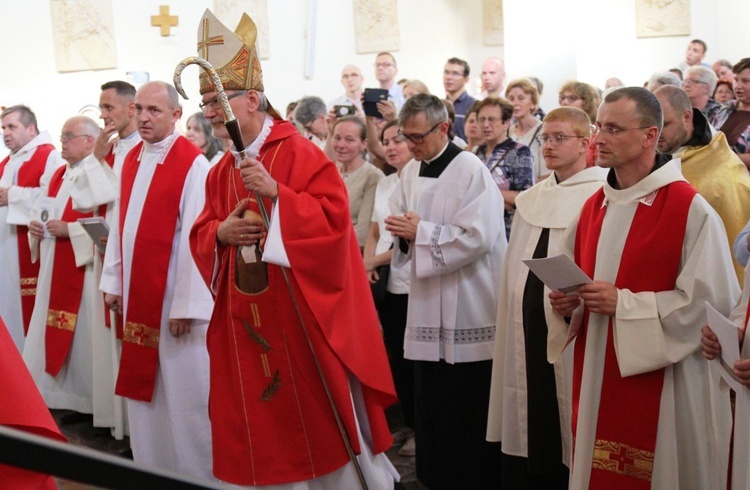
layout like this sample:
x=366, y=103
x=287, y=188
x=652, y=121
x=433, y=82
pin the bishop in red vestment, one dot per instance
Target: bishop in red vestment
x=271, y=421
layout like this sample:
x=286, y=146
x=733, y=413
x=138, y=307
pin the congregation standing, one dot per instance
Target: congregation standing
x=250, y=313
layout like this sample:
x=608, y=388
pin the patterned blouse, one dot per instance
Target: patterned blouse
x=512, y=169
x=742, y=144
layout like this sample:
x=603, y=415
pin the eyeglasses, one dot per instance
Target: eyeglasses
x=571, y=98
x=347, y=76
x=555, y=139
x=418, y=138
x=65, y=137
x=491, y=120
x=612, y=130
x=215, y=104
x=691, y=81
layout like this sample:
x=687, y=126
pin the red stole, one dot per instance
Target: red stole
x=629, y=406
x=66, y=288
x=150, y=264
x=29, y=174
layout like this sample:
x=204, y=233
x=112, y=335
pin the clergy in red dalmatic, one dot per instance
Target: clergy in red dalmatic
x=271, y=421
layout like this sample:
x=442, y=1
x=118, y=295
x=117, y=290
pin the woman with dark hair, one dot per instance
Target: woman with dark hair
x=349, y=142
x=723, y=92
x=200, y=134
x=393, y=303
x=734, y=118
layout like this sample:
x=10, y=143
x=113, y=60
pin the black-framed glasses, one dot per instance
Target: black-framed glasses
x=555, y=139
x=418, y=138
x=65, y=137
x=215, y=104
x=613, y=130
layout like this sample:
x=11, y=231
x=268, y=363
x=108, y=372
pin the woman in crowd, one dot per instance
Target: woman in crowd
x=584, y=97
x=723, y=92
x=200, y=134
x=508, y=161
x=524, y=97
x=734, y=118
x=349, y=142
x=471, y=128
x=392, y=307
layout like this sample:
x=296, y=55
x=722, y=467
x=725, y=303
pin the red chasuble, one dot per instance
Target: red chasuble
x=29, y=174
x=629, y=406
x=151, y=255
x=66, y=288
x=22, y=408
x=270, y=420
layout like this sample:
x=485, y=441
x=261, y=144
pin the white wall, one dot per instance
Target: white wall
x=584, y=39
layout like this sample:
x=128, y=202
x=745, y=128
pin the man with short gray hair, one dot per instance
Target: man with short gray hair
x=29, y=166
x=657, y=253
x=448, y=219
x=699, y=85
x=661, y=78
x=311, y=113
x=68, y=306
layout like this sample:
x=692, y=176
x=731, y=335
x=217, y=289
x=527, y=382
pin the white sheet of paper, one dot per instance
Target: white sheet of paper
x=559, y=273
x=726, y=332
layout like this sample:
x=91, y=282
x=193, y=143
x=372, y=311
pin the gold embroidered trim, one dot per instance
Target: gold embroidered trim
x=623, y=459
x=266, y=366
x=138, y=333
x=256, y=314
x=28, y=292
x=28, y=281
x=61, y=319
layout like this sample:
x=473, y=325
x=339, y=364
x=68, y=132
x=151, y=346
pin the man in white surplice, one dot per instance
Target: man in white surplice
x=530, y=398
x=168, y=403
x=649, y=412
x=29, y=166
x=86, y=184
x=119, y=136
x=448, y=218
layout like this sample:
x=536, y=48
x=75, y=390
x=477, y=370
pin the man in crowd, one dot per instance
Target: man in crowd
x=637, y=335
x=150, y=278
x=31, y=162
x=493, y=76
x=68, y=307
x=708, y=162
x=530, y=398
x=271, y=420
x=694, y=55
x=385, y=73
x=120, y=135
x=311, y=114
x=448, y=220
x=351, y=79
x=699, y=85
x=455, y=77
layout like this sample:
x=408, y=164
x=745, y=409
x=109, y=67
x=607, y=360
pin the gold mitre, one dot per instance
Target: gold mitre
x=232, y=54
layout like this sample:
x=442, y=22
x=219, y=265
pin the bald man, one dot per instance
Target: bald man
x=708, y=162
x=351, y=80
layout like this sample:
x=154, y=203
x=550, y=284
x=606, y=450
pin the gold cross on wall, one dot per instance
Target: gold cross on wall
x=164, y=20
x=208, y=41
